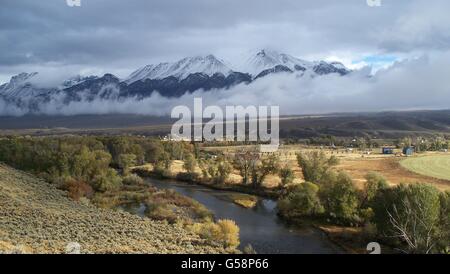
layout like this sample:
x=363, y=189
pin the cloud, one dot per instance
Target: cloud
x=118, y=36
x=421, y=83
x=115, y=35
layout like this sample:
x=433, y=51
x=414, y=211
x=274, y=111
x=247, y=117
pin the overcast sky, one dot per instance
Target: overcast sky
x=119, y=36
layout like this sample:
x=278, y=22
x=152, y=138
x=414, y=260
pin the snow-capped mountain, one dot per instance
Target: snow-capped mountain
x=19, y=85
x=169, y=79
x=265, y=59
x=208, y=65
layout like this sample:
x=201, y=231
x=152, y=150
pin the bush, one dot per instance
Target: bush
x=188, y=177
x=132, y=179
x=411, y=215
x=340, y=199
x=161, y=172
x=77, y=190
x=107, y=180
x=160, y=212
x=230, y=233
x=225, y=232
x=286, y=175
x=301, y=201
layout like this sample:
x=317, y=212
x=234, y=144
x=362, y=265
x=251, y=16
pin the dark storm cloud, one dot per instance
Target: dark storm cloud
x=118, y=36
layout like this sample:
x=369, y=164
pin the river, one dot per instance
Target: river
x=259, y=226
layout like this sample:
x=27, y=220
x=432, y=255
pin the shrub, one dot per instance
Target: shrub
x=411, y=215
x=77, y=189
x=107, y=180
x=230, y=233
x=161, y=212
x=188, y=177
x=248, y=249
x=225, y=232
x=132, y=179
x=161, y=172
x=301, y=201
x=286, y=175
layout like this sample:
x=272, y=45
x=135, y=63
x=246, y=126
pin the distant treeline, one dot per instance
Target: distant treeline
x=435, y=143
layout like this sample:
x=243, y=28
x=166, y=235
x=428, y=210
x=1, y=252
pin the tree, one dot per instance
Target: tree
x=287, y=175
x=302, y=200
x=190, y=163
x=126, y=161
x=411, y=215
x=340, y=198
x=260, y=170
x=224, y=169
x=315, y=165
x=217, y=170
x=163, y=162
x=245, y=161
x=374, y=183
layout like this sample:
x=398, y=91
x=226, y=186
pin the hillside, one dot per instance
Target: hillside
x=35, y=217
x=389, y=125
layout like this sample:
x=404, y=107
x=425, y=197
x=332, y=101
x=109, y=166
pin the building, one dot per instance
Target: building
x=408, y=151
x=387, y=150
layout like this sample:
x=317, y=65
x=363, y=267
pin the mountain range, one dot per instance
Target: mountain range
x=169, y=79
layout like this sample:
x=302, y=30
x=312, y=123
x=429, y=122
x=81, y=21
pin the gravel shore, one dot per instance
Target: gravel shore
x=35, y=217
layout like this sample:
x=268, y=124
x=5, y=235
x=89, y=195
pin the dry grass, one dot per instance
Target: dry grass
x=355, y=163
x=36, y=215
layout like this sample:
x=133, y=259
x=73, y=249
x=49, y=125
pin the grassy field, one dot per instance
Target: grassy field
x=432, y=166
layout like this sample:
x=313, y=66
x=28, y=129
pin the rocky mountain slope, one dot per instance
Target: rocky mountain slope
x=35, y=217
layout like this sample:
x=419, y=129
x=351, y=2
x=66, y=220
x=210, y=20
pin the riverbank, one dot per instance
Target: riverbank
x=259, y=226
x=350, y=239
x=146, y=171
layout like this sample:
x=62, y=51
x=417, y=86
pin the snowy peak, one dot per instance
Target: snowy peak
x=268, y=59
x=323, y=68
x=208, y=65
x=77, y=80
x=21, y=78
x=18, y=85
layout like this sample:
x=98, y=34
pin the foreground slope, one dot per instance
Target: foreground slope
x=38, y=218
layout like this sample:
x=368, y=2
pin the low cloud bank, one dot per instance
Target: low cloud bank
x=422, y=83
